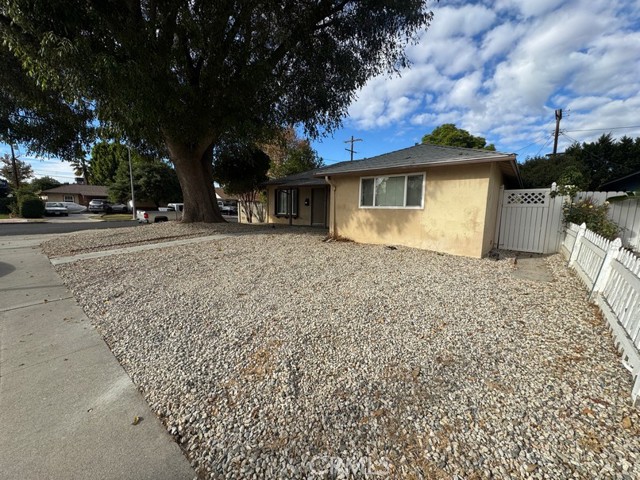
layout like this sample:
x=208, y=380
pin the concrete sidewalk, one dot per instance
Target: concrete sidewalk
x=66, y=404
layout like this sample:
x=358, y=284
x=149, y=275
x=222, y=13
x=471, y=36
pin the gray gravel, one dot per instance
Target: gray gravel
x=97, y=240
x=275, y=355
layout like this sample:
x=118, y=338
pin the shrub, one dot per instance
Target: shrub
x=594, y=215
x=31, y=207
x=5, y=204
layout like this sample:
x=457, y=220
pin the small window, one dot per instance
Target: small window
x=282, y=202
x=68, y=198
x=393, y=191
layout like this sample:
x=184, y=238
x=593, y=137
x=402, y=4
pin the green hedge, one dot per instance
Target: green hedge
x=31, y=208
x=5, y=205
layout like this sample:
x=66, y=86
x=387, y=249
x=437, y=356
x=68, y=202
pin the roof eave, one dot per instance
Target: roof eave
x=503, y=158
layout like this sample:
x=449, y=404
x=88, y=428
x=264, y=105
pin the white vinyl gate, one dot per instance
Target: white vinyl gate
x=529, y=220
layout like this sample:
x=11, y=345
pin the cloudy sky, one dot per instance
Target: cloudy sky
x=498, y=69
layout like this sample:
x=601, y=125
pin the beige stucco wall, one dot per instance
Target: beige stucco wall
x=493, y=200
x=304, y=211
x=452, y=220
x=59, y=197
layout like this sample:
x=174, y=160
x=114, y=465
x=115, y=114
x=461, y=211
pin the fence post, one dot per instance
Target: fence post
x=576, y=246
x=605, y=269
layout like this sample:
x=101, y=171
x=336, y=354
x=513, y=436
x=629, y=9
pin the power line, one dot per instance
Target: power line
x=601, y=129
x=545, y=144
x=535, y=142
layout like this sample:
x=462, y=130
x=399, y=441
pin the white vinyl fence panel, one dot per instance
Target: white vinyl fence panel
x=613, y=276
x=625, y=214
x=530, y=221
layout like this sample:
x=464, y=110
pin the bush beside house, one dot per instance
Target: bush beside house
x=31, y=207
x=593, y=214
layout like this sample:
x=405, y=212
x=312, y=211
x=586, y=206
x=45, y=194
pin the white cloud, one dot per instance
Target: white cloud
x=467, y=21
x=500, y=69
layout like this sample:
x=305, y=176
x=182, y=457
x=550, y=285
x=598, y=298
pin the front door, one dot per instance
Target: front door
x=319, y=207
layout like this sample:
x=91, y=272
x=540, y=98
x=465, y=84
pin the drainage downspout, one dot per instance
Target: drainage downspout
x=332, y=203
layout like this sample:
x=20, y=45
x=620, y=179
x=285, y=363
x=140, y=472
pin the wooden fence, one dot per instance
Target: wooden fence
x=613, y=276
x=625, y=214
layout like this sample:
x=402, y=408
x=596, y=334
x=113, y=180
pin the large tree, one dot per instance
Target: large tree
x=40, y=118
x=187, y=74
x=153, y=180
x=15, y=171
x=449, y=135
x=106, y=157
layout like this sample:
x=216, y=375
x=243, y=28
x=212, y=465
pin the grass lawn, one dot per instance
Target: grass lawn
x=4, y=216
x=116, y=217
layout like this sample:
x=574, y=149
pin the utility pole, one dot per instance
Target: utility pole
x=16, y=177
x=133, y=195
x=555, y=138
x=352, y=141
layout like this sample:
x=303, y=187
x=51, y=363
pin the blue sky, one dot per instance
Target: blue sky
x=498, y=69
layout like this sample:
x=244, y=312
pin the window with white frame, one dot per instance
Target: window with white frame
x=392, y=191
x=68, y=198
x=282, y=202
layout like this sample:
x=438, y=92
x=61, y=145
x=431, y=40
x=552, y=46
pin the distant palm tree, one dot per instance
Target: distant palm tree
x=81, y=169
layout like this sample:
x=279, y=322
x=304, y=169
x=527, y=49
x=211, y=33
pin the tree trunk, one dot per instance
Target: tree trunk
x=194, y=170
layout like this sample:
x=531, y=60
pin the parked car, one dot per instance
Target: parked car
x=74, y=207
x=97, y=205
x=228, y=208
x=172, y=212
x=55, y=208
x=117, y=208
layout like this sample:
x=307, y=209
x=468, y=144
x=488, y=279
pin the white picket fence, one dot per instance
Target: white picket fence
x=613, y=276
x=625, y=214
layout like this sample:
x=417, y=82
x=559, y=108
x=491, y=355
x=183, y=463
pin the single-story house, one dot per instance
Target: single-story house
x=75, y=192
x=628, y=183
x=426, y=196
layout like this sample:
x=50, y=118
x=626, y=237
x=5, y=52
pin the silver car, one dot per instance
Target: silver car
x=55, y=208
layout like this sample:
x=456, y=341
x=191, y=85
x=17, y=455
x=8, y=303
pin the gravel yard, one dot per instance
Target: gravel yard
x=275, y=355
x=96, y=240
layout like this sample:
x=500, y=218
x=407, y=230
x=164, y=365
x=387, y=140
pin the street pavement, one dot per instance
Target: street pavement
x=67, y=407
x=58, y=226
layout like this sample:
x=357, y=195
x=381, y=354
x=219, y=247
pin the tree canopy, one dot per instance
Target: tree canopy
x=40, y=118
x=153, y=180
x=15, y=176
x=449, y=135
x=43, y=183
x=290, y=154
x=594, y=163
x=106, y=157
x=186, y=75
x=241, y=170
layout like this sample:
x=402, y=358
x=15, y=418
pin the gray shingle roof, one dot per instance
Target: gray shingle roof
x=418, y=155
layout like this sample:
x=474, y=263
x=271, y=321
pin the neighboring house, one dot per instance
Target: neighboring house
x=221, y=195
x=74, y=192
x=426, y=196
x=628, y=183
